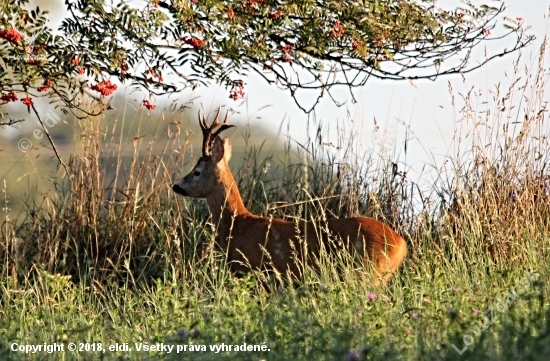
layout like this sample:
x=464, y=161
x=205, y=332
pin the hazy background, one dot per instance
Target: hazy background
x=420, y=113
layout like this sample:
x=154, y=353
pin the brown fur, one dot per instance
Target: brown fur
x=264, y=243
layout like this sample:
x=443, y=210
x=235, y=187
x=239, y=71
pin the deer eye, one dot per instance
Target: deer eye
x=197, y=173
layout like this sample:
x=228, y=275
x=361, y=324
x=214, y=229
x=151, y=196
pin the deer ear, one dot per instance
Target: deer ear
x=228, y=149
x=221, y=149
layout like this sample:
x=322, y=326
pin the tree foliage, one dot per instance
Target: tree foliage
x=166, y=46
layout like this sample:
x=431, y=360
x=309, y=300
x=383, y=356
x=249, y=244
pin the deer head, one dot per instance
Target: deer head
x=212, y=168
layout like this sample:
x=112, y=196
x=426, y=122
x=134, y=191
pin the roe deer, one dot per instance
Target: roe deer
x=264, y=243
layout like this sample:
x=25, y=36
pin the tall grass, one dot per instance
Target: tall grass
x=112, y=256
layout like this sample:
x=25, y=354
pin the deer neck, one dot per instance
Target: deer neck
x=225, y=203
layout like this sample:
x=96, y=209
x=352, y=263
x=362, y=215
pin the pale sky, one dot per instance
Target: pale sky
x=425, y=105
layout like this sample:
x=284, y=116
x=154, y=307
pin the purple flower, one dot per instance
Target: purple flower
x=352, y=355
x=371, y=297
x=475, y=312
x=182, y=334
x=415, y=316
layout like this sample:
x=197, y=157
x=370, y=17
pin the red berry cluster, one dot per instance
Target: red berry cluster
x=287, y=49
x=254, y=4
x=27, y=101
x=37, y=47
x=34, y=60
x=337, y=30
x=106, y=88
x=356, y=45
x=286, y=59
x=45, y=86
x=9, y=97
x=230, y=13
x=11, y=34
x=194, y=42
x=275, y=15
x=147, y=104
x=237, y=91
x=155, y=74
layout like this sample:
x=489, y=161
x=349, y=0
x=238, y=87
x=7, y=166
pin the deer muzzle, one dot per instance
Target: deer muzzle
x=178, y=190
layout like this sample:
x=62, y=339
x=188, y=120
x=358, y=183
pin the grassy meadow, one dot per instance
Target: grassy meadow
x=110, y=261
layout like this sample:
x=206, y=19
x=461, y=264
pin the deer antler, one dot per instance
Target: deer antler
x=208, y=134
